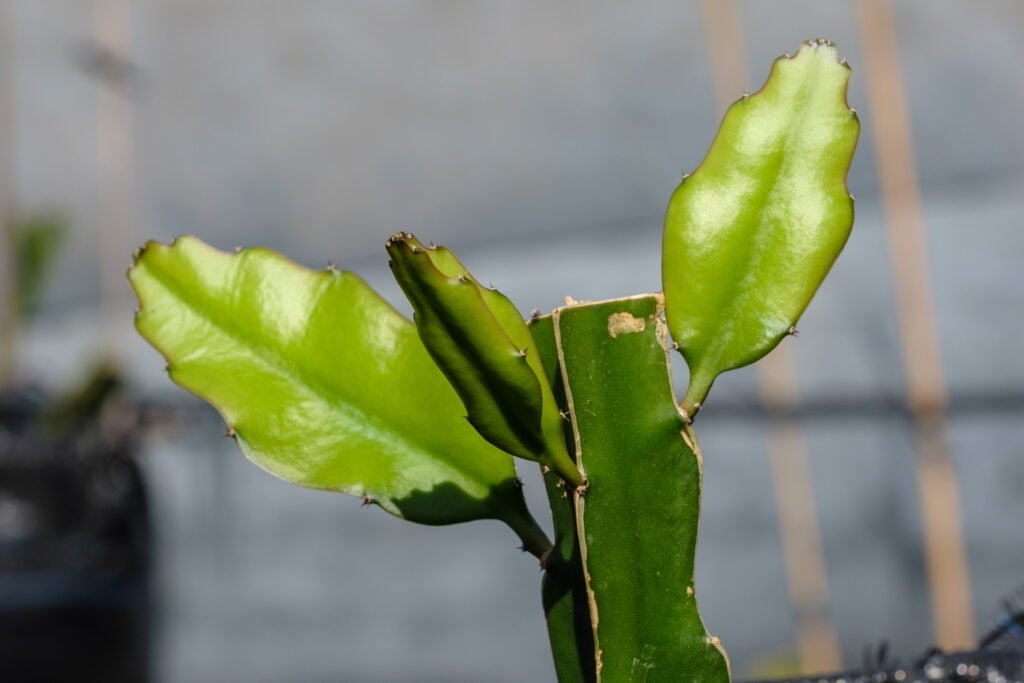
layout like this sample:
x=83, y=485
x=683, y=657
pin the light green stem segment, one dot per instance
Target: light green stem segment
x=637, y=518
x=322, y=383
x=480, y=342
x=753, y=232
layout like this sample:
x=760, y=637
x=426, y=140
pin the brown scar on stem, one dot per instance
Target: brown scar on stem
x=624, y=322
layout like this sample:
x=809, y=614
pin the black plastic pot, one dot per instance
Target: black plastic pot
x=74, y=552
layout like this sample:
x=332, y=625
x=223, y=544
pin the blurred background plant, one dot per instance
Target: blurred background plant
x=886, y=504
x=74, y=525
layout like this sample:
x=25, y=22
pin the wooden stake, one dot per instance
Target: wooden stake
x=938, y=489
x=115, y=149
x=9, y=313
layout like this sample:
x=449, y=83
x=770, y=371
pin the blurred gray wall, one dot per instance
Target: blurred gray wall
x=541, y=140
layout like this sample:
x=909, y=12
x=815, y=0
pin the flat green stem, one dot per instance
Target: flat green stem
x=563, y=591
x=637, y=518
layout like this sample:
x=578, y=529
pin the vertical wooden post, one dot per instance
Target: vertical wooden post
x=938, y=489
x=806, y=574
x=816, y=639
x=9, y=314
x=115, y=155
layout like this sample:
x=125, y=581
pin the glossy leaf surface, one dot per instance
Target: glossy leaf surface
x=637, y=522
x=752, y=233
x=479, y=340
x=322, y=383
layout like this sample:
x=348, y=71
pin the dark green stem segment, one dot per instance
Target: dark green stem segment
x=637, y=519
x=564, y=591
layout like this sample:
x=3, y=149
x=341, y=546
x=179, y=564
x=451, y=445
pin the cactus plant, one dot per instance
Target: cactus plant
x=324, y=385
